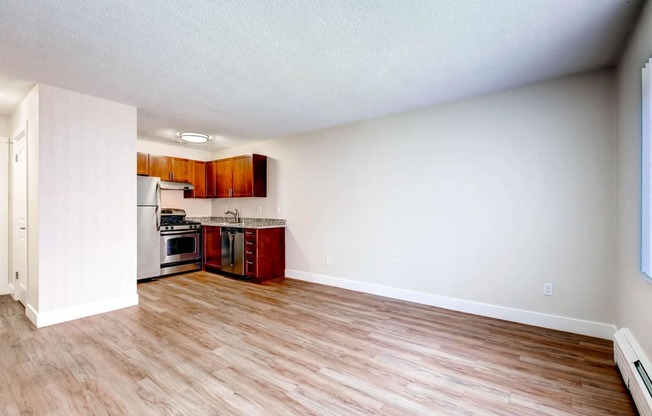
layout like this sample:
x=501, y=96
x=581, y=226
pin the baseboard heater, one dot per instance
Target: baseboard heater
x=634, y=367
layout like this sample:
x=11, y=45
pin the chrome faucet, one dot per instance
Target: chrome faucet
x=236, y=214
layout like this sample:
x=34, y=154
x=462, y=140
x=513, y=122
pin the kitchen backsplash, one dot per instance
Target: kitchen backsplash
x=193, y=207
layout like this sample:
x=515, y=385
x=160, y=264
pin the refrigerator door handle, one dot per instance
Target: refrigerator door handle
x=158, y=204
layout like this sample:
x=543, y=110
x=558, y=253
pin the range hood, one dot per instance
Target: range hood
x=181, y=186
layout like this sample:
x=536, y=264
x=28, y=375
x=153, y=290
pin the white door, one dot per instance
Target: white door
x=18, y=275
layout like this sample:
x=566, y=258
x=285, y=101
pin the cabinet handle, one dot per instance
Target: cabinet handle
x=250, y=252
x=250, y=262
x=249, y=232
x=250, y=242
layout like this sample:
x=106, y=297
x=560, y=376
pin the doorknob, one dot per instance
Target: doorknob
x=22, y=228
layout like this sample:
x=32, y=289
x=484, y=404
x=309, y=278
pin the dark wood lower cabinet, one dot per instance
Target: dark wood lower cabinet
x=264, y=253
x=212, y=248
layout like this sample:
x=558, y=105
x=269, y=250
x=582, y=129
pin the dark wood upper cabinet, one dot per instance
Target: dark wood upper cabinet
x=170, y=168
x=159, y=166
x=259, y=175
x=198, y=179
x=142, y=164
x=241, y=176
x=223, y=178
x=243, y=172
x=235, y=177
x=210, y=180
x=181, y=169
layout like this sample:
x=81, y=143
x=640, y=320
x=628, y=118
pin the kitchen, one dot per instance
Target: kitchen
x=171, y=241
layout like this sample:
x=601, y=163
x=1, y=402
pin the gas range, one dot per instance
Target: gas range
x=174, y=219
x=180, y=242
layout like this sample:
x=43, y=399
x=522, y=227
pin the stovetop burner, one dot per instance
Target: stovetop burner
x=175, y=221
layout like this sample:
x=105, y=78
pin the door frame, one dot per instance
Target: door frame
x=5, y=274
x=20, y=134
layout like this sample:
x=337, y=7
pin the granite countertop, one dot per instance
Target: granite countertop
x=244, y=222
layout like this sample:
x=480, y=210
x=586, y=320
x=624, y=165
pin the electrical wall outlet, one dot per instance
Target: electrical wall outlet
x=260, y=209
x=278, y=209
x=547, y=289
x=329, y=261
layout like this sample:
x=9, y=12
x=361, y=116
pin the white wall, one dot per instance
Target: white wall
x=482, y=200
x=4, y=207
x=4, y=125
x=86, y=206
x=634, y=291
x=181, y=150
x=195, y=207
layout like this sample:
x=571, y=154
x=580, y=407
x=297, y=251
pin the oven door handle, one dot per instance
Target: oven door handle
x=179, y=232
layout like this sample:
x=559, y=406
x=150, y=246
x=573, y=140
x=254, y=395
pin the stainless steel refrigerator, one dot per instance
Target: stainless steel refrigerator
x=149, y=227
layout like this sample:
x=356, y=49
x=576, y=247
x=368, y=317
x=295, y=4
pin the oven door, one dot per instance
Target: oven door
x=180, y=246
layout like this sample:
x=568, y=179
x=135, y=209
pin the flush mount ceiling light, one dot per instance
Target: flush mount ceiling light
x=191, y=137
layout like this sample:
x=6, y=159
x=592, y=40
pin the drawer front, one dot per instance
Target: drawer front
x=250, y=238
x=250, y=266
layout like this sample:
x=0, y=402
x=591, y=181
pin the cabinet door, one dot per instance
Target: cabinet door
x=142, y=164
x=198, y=179
x=212, y=247
x=159, y=166
x=224, y=178
x=210, y=180
x=181, y=169
x=242, y=176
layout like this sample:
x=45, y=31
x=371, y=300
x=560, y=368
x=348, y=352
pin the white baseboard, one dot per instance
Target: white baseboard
x=561, y=323
x=18, y=292
x=79, y=311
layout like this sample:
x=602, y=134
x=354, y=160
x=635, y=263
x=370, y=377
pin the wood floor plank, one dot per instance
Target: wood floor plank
x=203, y=344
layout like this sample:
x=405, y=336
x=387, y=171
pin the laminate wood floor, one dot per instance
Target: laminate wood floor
x=201, y=344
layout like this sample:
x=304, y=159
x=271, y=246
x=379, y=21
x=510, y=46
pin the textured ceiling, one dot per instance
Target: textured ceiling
x=253, y=70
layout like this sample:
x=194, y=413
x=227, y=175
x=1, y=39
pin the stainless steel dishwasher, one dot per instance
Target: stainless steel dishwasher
x=233, y=250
